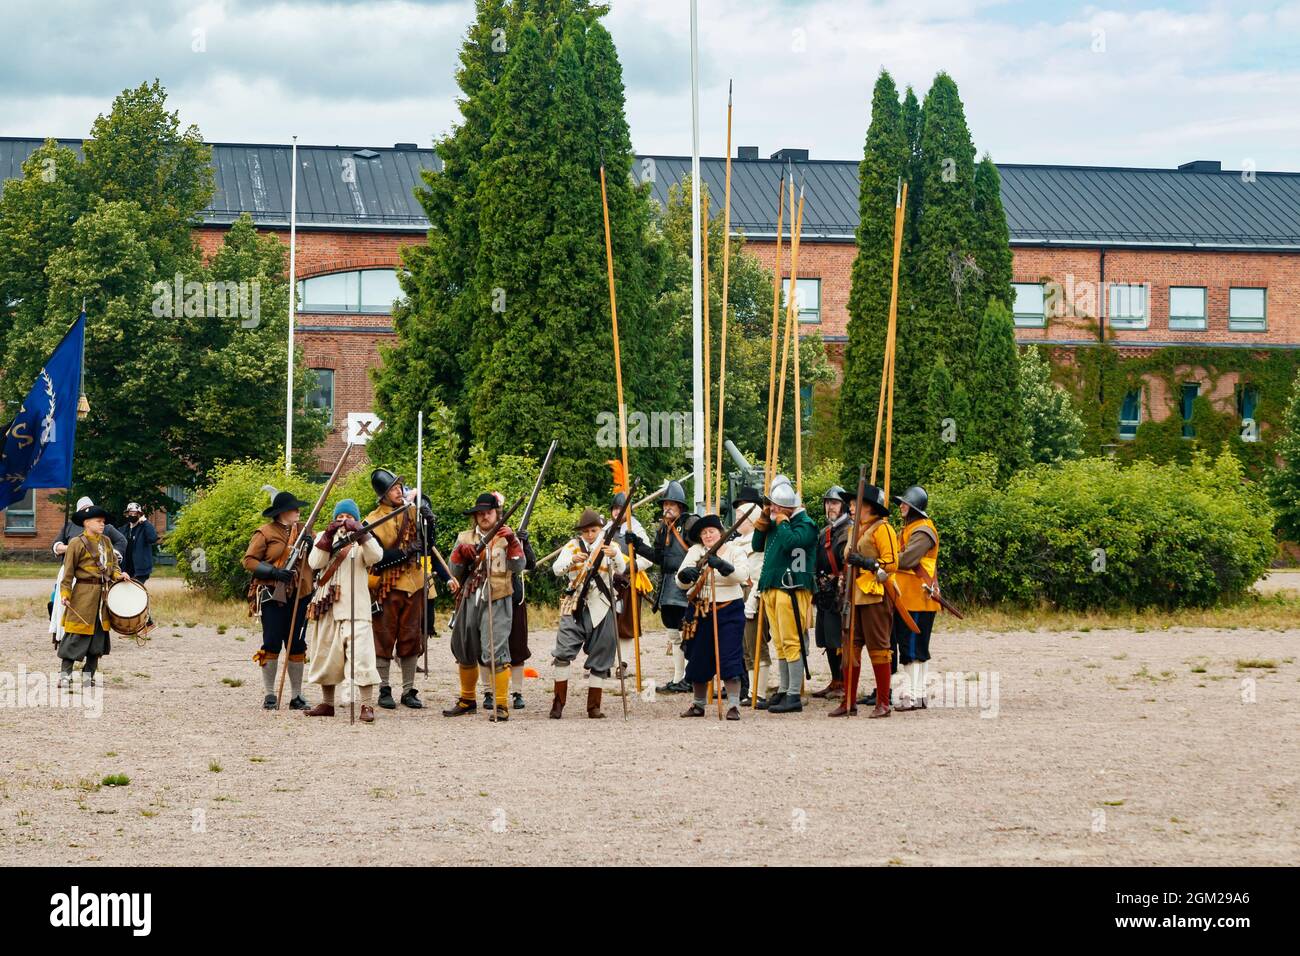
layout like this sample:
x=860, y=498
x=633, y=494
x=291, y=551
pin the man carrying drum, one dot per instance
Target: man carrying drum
x=89, y=567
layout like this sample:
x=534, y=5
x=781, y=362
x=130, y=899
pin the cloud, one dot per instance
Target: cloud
x=1101, y=84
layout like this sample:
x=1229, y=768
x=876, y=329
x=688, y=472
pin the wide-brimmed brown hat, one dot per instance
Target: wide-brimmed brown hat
x=590, y=519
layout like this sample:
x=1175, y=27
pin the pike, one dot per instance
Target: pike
x=851, y=582
x=546, y=559
x=537, y=487
x=296, y=554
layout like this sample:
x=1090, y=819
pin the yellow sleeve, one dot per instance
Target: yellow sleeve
x=887, y=546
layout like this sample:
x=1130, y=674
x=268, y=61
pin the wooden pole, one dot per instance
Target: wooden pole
x=776, y=311
x=708, y=359
x=623, y=414
x=891, y=335
x=769, y=462
x=793, y=306
x=726, y=275
x=636, y=607
x=785, y=348
x=717, y=658
x=893, y=329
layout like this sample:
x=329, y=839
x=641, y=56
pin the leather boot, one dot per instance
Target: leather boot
x=367, y=715
x=557, y=702
x=386, y=697
x=834, y=689
x=593, y=703
x=320, y=710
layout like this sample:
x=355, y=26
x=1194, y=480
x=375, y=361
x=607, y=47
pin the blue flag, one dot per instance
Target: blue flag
x=38, y=443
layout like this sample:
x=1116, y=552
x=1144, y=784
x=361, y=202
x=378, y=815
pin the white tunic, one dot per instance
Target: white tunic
x=730, y=587
x=570, y=562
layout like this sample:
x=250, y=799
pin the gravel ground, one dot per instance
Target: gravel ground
x=1106, y=747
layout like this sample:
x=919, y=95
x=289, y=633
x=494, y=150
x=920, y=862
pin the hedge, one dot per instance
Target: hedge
x=1094, y=533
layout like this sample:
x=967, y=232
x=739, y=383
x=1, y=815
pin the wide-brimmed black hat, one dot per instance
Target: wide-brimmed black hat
x=484, y=502
x=85, y=514
x=707, y=521
x=748, y=495
x=284, y=501
x=872, y=497
x=381, y=479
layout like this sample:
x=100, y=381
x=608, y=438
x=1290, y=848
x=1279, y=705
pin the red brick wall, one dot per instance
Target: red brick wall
x=831, y=262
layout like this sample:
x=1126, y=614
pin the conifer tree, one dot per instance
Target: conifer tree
x=992, y=238
x=997, y=415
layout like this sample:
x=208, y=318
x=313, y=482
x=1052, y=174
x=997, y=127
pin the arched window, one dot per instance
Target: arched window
x=363, y=290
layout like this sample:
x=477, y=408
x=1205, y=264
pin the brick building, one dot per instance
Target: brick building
x=1148, y=258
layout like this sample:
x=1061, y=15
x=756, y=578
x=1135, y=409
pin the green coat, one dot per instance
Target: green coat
x=788, y=546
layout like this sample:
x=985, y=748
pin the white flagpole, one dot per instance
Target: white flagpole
x=293, y=295
x=697, y=319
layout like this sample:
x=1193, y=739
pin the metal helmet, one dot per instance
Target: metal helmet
x=381, y=479
x=833, y=493
x=783, y=494
x=619, y=500
x=675, y=492
x=916, y=499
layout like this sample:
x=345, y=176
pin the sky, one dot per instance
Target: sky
x=1112, y=84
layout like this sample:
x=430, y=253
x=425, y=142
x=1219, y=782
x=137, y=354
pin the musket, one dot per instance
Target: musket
x=537, y=487
x=296, y=554
x=693, y=594
x=592, y=567
x=352, y=536
x=471, y=573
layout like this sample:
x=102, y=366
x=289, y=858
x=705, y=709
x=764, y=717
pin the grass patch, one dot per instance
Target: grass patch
x=256, y=759
x=1261, y=612
x=232, y=682
x=1255, y=663
x=116, y=780
x=214, y=767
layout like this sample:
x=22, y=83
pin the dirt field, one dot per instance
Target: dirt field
x=1103, y=747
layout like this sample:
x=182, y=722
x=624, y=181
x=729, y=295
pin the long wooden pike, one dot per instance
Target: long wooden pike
x=785, y=348
x=622, y=406
x=726, y=278
x=793, y=305
x=887, y=367
x=850, y=585
x=708, y=357
x=769, y=464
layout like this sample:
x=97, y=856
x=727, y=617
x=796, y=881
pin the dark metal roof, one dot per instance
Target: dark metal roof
x=372, y=188
x=339, y=187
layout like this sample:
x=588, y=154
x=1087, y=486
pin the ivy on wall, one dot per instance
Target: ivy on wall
x=1099, y=376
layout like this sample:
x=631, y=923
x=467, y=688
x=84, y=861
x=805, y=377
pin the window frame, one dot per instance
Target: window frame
x=1024, y=320
x=329, y=421
x=785, y=297
x=1183, y=321
x=1128, y=323
x=357, y=307
x=16, y=510
x=1234, y=323
x=1189, y=430
x=1135, y=422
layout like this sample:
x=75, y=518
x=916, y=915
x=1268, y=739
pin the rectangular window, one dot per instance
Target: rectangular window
x=321, y=395
x=1130, y=414
x=20, y=517
x=182, y=496
x=1030, y=310
x=1247, y=399
x=379, y=289
x=1128, y=305
x=1247, y=310
x=809, y=292
x=1190, y=391
x=1187, y=307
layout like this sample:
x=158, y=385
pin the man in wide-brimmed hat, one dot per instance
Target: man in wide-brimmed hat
x=284, y=615
x=340, y=611
x=480, y=631
x=787, y=537
x=89, y=567
x=720, y=597
x=591, y=628
x=398, y=587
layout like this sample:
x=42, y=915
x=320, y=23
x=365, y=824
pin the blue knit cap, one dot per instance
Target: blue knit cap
x=347, y=507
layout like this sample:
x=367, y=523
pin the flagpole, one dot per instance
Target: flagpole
x=293, y=296
x=697, y=316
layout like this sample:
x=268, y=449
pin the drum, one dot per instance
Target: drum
x=128, y=607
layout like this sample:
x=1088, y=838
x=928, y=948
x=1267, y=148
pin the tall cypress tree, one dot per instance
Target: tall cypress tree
x=884, y=160
x=997, y=418
x=947, y=415
x=992, y=238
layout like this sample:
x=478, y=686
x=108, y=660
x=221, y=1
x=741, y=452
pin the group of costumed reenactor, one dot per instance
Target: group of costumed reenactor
x=360, y=593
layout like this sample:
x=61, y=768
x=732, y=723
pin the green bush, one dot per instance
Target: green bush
x=1172, y=535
